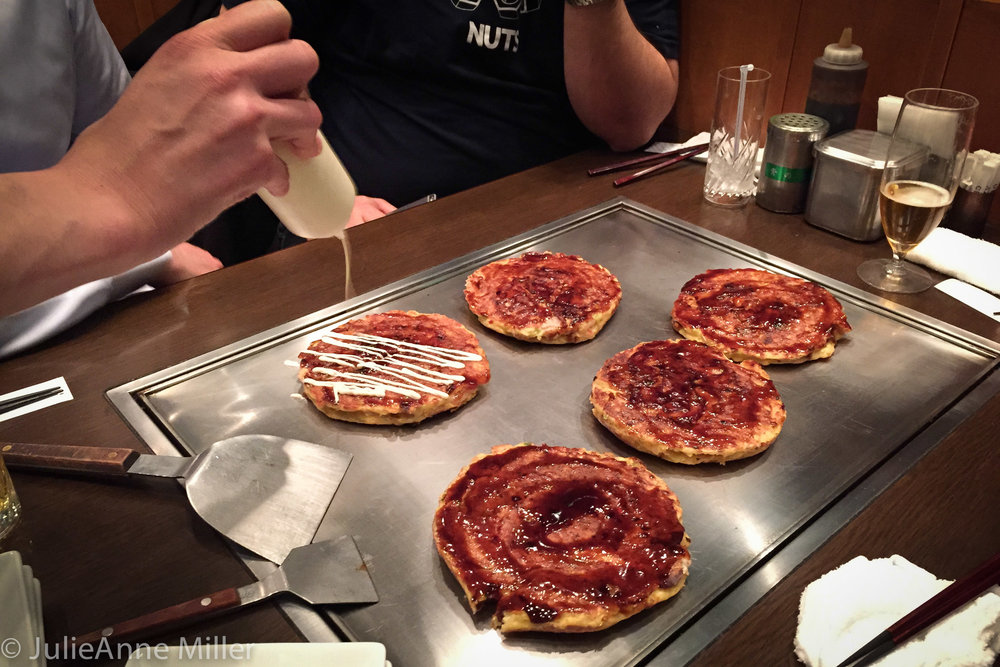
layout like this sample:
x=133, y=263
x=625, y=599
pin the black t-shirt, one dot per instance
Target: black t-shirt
x=422, y=96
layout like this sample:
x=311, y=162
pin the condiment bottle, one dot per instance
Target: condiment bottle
x=838, y=79
x=970, y=208
x=320, y=193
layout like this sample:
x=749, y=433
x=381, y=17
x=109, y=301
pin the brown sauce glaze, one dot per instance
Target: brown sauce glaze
x=684, y=393
x=759, y=310
x=537, y=286
x=685, y=378
x=552, y=529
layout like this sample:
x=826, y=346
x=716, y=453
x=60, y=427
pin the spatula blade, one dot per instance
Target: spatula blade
x=329, y=572
x=266, y=493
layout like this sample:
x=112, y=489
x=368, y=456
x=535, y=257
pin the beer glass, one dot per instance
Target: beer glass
x=914, y=195
x=10, y=506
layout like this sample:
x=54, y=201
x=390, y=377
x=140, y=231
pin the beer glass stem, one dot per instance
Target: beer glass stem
x=895, y=267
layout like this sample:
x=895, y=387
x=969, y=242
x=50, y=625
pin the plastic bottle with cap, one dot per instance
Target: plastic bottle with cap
x=838, y=79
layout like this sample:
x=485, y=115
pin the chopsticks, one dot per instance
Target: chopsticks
x=656, y=162
x=11, y=404
x=951, y=598
x=423, y=200
x=645, y=159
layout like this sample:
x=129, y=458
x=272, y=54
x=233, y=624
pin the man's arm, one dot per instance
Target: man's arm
x=190, y=137
x=620, y=86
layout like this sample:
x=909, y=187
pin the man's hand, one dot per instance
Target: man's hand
x=368, y=208
x=190, y=137
x=186, y=261
x=192, y=134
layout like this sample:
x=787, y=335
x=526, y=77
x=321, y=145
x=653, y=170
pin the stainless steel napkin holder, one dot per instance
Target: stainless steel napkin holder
x=843, y=194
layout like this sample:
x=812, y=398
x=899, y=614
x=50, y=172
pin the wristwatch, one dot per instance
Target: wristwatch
x=585, y=3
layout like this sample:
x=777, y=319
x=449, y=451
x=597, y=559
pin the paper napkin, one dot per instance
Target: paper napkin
x=845, y=608
x=972, y=260
x=21, y=631
x=65, y=395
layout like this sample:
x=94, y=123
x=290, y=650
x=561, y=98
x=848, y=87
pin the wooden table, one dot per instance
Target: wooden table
x=105, y=551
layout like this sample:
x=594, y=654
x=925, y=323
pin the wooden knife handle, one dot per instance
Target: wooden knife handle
x=72, y=458
x=179, y=614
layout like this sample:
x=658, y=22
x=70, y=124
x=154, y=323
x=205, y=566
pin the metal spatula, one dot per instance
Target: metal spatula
x=328, y=572
x=265, y=493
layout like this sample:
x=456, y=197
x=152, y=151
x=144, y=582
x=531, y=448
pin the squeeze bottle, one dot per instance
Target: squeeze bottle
x=838, y=79
x=320, y=193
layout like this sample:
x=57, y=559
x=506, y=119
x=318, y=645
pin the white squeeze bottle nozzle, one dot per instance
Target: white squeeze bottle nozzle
x=320, y=193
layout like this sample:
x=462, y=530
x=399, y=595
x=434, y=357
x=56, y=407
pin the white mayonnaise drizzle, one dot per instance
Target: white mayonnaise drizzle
x=387, y=356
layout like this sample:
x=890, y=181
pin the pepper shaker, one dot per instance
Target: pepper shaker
x=788, y=159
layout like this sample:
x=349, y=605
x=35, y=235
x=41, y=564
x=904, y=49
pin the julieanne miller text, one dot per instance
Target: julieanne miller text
x=209, y=648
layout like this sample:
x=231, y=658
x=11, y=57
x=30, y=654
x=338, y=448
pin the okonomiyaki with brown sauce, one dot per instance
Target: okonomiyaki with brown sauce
x=759, y=315
x=687, y=403
x=561, y=539
x=543, y=297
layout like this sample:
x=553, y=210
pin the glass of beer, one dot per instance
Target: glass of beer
x=10, y=507
x=936, y=124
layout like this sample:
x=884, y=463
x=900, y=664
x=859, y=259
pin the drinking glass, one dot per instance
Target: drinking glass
x=10, y=507
x=926, y=154
x=737, y=126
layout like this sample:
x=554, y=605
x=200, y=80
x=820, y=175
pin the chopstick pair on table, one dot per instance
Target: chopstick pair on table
x=11, y=404
x=654, y=163
x=956, y=595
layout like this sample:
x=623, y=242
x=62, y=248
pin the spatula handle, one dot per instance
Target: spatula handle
x=179, y=614
x=72, y=458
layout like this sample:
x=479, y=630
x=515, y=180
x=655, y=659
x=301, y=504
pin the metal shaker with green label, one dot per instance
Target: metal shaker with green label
x=786, y=168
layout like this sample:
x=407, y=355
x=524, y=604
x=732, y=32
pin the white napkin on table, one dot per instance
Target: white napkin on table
x=21, y=625
x=700, y=138
x=847, y=607
x=972, y=260
x=664, y=146
x=971, y=296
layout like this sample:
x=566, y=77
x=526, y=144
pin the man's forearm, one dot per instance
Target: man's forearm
x=620, y=86
x=59, y=233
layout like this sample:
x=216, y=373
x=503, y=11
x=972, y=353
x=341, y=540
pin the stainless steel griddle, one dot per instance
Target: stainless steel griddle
x=895, y=377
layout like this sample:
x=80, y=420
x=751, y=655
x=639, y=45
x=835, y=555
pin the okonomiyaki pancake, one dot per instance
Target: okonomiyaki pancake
x=397, y=367
x=561, y=539
x=759, y=315
x=687, y=403
x=543, y=297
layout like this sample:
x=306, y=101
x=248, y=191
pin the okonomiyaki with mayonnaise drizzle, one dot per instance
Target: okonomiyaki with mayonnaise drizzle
x=398, y=367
